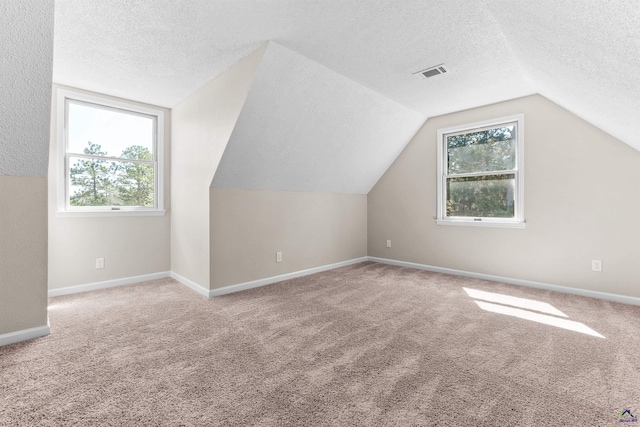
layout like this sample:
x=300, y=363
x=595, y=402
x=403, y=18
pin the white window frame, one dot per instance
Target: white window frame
x=518, y=220
x=63, y=206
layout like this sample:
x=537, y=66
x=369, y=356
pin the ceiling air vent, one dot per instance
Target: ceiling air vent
x=433, y=71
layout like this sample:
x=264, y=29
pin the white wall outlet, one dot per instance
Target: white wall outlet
x=596, y=265
x=388, y=243
x=99, y=262
x=278, y=256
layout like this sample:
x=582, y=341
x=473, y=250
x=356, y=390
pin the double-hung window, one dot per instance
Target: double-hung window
x=110, y=156
x=480, y=173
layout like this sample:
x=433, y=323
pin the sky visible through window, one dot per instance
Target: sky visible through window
x=113, y=130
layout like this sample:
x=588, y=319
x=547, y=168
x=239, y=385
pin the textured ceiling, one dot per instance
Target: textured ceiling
x=587, y=61
x=304, y=127
x=26, y=60
x=582, y=54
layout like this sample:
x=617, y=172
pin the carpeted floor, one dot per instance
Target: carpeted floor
x=369, y=345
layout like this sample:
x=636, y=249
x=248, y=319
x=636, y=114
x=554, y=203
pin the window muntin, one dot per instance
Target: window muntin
x=480, y=178
x=110, y=156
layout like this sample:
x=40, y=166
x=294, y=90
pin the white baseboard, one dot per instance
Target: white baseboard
x=190, y=284
x=24, y=335
x=528, y=283
x=44, y=330
x=107, y=284
x=273, y=279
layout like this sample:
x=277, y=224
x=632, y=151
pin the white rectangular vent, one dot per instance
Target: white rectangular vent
x=433, y=71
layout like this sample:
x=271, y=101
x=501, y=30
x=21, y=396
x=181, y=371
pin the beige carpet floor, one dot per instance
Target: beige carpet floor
x=365, y=345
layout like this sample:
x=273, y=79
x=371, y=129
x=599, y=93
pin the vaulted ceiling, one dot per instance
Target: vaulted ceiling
x=582, y=54
x=304, y=127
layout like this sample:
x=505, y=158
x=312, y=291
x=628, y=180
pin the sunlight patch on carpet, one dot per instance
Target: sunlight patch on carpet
x=540, y=318
x=525, y=303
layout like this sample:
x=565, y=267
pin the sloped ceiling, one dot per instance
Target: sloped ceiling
x=26, y=60
x=582, y=54
x=304, y=127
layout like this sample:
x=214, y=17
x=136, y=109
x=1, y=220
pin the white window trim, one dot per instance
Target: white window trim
x=518, y=221
x=63, y=210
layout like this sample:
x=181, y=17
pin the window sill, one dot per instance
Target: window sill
x=109, y=213
x=481, y=223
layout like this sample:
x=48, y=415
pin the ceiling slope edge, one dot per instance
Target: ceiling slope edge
x=304, y=127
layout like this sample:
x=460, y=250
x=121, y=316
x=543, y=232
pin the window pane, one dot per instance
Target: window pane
x=96, y=182
x=482, y=151
x=483, y=196
x=109, y=132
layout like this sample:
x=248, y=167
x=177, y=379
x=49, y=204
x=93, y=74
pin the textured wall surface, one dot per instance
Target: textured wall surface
x=201, y=127
x=314, y=229
x=581, y=200
x=23, y=253
x=26, y=63
x=306, y=128
x=131, y=246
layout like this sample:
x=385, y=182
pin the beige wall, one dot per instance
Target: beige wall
x=582, y=196
x=248, y=227
x=202, y=125
x=222, y=237
x=23, y=252
x=26, y=52
x=131, y=246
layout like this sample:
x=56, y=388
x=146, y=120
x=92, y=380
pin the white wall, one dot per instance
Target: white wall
x=26, y=52
x=201, y=127
x=131, y=246
x=582, y=196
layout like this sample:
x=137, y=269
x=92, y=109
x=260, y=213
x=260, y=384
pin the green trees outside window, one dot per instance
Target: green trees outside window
x=108, y=182
x=481, y=173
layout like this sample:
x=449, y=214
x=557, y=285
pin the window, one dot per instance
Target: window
x=110, y=157
x=480, y=173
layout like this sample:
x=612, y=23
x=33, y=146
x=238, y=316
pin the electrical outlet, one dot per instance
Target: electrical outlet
x=99, y=262
x=278, y=256
x=596, y=265
x=388, y=243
